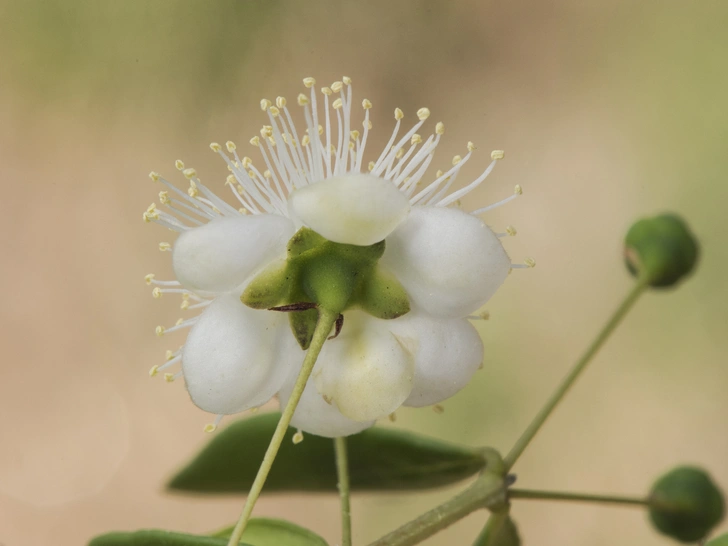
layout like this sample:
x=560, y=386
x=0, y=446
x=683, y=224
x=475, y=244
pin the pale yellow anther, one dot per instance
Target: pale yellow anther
x=164, y=198
x=168, y=355
x=179, y=164
x=437, y=408
x=305, y=140
x=281, y=102
x=230, y=180
x=243, y=210
x=320, y=130
x=440, y=128
x=285, y=137
x=302, y=99
x=471, y=146
x=399, y=153
x=192, y=190
x=215, y=147
x=354, y=134
x=416, y=139
x=149, y=278
x=266, y=174
x=230, y=145
x=332, y=149
x=456, y=159
x=371, y=166
x=265, y=104
x=156, y=293
x=297, y=437
x=169, y=377
x=510, y=230
x=309, y=82
x=247, y=162
x=274, y=111
x=255, y=141
x=497, y=154
x=351, y=145
x=346, y=80
x=251, y=174
x=398, y=114
x=159, y=330
x=155, y=176
x=190, y=173
x=518, y=190
x=484, y=315
x=530, y=262
x=338, y=103
x=254, y=410
x=165, y=247
x=184, y=305
x=327, y=91
x=423, y=114
x=367, y=124
x=266, y=131
x=336, y=86
x=154, y=370
x=240, y=189
x=272, y=141
x=211, y=427
x=392, y=417
x=366, y=104
x=439, y=173
x=179, y=321
x=406, y=179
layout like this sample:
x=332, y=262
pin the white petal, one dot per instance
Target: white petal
x=366, y=371
x=357, y=209
x=449, y=262
x=235, y=357
x=448, y=353
x=220, y=256
x=314, y=415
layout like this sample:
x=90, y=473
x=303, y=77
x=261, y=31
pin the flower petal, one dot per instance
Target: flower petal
x=235, y=357
x=356, y=209
x=449, y=262
x=366, y=371
x=219, y=256
x=448, y=353
x=314, y=415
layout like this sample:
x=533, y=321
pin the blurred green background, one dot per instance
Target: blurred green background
x=608, y=111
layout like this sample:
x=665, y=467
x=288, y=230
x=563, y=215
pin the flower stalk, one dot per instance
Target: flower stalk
x=324, y=325
x=577, y=497
x=342, y=470
x=558, y=395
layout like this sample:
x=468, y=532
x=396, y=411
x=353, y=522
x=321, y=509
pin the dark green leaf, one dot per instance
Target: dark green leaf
x=380, y=459
x=153, y=537
x=275, y=532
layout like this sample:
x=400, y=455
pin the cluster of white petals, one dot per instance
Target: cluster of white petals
x=449, y=262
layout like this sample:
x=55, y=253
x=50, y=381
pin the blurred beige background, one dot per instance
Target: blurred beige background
x=608, y=110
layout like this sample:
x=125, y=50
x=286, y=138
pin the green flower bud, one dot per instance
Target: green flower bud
x=662, y=248
x=685, y=504
x=722, y=540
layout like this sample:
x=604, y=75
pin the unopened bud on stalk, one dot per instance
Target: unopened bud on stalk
x=685, y=504
x=662, y=248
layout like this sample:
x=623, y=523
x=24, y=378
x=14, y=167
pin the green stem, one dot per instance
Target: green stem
x=325, y=322
x=577, y=497
x=492, y=529
x=342, y=470
x=486, y=492
x=569, y=380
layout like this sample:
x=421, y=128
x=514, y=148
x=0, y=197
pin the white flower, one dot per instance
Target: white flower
x=448, y=261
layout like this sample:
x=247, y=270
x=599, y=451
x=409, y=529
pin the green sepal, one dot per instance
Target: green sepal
x=155, y=537
x=271, y=287
x=274, y=532
x=303, y=323
x=380, y=459
x=382, y=296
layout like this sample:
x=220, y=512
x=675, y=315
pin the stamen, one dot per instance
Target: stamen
x=528, y=263
x=516, y=192
x=212, y=427
x=439, y=409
